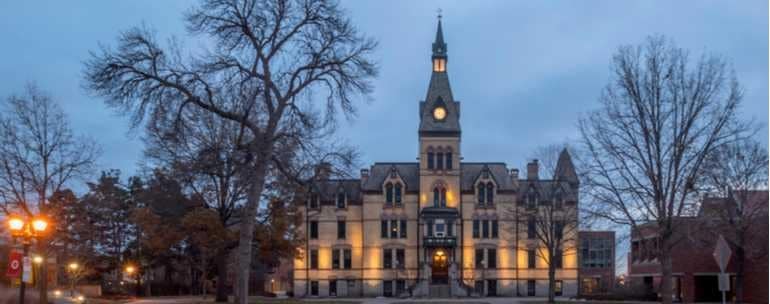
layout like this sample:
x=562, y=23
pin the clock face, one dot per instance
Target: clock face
x=439, y=113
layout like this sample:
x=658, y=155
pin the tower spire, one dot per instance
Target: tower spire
x=439, y=46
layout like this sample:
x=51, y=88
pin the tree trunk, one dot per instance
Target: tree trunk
x=246, y=236
x=666, y=270
x=551, y=281
x=148, y=286
x=202, y=283
x=221, y=261
x=740, y=261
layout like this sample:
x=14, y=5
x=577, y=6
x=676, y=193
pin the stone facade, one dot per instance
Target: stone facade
x=436, y=227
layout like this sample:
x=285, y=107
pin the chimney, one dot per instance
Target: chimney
x=532, y=170
x=515, y=177
x=323, y=170
x=364, y=176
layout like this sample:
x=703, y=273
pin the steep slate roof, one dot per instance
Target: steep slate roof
x=409, y=173
x=565, y=170
x=546, y=188
x=327, y=190
x=469, y=173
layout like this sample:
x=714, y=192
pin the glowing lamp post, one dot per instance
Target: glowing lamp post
x=26, y=232
x=74, y=270
x=130, y=271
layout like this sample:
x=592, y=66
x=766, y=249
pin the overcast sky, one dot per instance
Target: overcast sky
x=524, y=71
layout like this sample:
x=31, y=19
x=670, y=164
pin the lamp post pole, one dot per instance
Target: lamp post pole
x=23, y=285
x=26, y=231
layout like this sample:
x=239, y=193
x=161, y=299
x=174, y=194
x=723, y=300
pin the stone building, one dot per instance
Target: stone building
x=435, y=227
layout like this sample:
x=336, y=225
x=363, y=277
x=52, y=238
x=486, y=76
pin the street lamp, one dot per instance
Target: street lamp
x=75, y=271
x=26, y=231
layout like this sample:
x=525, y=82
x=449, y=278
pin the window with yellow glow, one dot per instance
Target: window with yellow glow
x=439, y=65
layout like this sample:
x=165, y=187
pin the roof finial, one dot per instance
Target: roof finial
x=439, y=13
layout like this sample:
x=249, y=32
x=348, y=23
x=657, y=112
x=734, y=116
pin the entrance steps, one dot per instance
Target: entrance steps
x=439, y=291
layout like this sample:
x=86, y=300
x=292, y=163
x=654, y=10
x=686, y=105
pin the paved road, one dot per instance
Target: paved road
x=170, y=300
x=187, y=300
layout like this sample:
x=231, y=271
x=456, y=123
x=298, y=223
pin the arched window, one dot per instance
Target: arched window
x=443, y=197
x=490, y=193
x=341, y=199
x=440, y=160
x=430, y=158
x=435, y=197
x=389, y=193
x=482, y=191
x=398, y=193
x=449, y=160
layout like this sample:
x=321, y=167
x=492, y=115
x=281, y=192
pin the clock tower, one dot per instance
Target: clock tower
x=439, y=136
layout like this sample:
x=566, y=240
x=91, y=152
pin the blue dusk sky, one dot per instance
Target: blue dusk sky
x=525, y=71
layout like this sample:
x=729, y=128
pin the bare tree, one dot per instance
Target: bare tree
x=39, y=156
x=660, y=117
x=269, y=60
x=550, y=210
x=736, y=172
x=203, y=156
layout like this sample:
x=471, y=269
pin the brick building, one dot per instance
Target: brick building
x=694, y=268
x=596, y=262
x=436, y=227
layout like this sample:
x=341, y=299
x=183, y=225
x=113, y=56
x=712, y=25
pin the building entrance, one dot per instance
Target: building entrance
x=440, y=267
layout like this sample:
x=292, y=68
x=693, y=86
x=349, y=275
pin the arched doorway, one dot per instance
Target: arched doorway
x=440, y=266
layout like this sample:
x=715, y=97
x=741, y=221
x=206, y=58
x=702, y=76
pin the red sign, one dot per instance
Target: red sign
x=14, y=264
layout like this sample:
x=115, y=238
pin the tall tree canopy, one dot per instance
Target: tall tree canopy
x=661, y=116
x=270, y=66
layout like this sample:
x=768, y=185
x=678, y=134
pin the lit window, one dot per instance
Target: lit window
x=439, y=65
